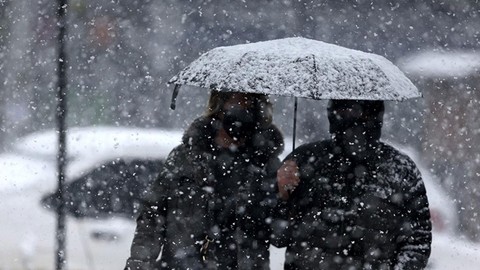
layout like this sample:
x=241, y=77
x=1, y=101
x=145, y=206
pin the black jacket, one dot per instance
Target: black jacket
x=348, y=214
x=202, y=191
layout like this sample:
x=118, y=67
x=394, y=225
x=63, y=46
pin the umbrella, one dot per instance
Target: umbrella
x=297, y=67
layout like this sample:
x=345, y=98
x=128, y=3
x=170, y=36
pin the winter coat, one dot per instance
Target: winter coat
x=203, y=191
x=347, y=214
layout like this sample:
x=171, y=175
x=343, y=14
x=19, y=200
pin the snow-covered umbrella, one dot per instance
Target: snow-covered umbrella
x=297, y=67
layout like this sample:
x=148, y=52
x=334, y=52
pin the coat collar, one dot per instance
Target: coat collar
x=200, y=135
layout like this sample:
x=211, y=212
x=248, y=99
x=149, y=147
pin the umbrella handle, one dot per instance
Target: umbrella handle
x=174, y=96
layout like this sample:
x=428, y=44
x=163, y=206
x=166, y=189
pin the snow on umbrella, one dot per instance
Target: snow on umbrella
x=298, y=67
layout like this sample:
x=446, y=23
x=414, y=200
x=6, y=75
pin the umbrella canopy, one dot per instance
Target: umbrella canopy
x=298, y=67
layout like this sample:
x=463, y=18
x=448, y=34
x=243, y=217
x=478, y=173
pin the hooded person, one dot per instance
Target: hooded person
x=357, y=203
x=209, y=207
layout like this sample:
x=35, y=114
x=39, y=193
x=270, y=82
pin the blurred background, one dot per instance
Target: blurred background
x=121, y=53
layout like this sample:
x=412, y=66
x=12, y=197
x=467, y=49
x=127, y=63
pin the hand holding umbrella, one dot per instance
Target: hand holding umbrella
x=288, y=178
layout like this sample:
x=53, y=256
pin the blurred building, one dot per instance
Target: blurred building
x=450, y=82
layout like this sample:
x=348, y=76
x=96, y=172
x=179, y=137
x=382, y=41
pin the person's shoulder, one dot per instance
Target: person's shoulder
x=397, y=156
x=317, y=145
x=174, y=155
x=269, y=141
x=317, y=148
x=392, y=151
x=181, y=148
x=200, y=133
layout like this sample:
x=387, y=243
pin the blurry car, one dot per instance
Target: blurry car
x=114, y=188
x=109, y=169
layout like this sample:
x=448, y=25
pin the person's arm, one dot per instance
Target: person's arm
x=258, y=199
x=287, y=179
x=151, y=223
x=148, y=238
x=416, y=239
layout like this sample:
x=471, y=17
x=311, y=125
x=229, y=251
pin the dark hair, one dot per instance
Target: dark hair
x=262, y=105
x=369, y=107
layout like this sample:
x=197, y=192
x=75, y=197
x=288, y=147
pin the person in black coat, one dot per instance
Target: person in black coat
x=210, y=206
x=357, y=203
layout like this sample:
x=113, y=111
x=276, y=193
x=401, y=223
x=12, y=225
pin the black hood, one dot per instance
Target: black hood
x=356, y=125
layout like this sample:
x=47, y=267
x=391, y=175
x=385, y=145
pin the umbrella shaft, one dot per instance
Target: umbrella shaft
x=60, y=255
x=294, y=123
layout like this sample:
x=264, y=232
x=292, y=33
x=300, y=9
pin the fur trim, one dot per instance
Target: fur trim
x=201, y=133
